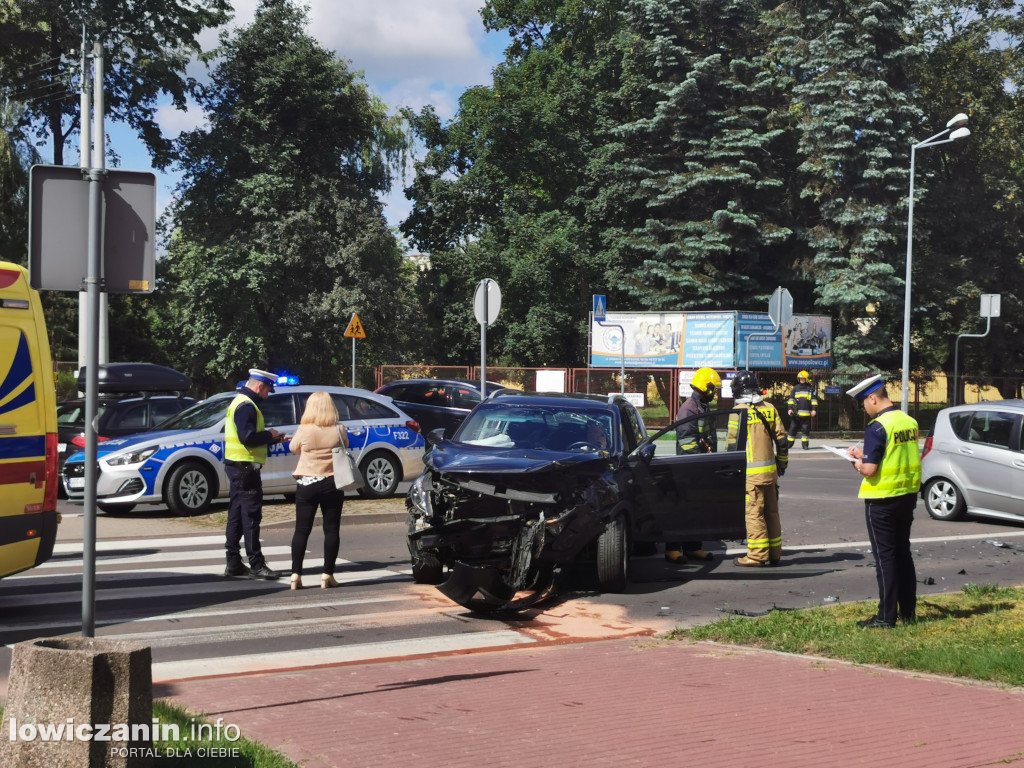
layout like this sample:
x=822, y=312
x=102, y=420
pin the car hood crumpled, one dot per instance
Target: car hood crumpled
x=521, y=469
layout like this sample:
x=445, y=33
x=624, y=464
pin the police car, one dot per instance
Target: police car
x=181, y=465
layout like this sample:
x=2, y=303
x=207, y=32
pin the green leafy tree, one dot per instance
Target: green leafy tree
x=148, y=45
x=279, y=237
x=507, y=188
x=703, y=157
x=969, y=225
x=853, y=104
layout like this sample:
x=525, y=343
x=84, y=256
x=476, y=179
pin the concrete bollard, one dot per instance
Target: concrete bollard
x=73, y=702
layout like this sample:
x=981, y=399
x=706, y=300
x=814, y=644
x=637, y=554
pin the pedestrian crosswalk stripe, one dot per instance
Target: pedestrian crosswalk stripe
x=262, y=662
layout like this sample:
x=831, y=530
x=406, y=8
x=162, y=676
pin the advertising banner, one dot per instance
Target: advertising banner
x=714, y=339
x=808, y=342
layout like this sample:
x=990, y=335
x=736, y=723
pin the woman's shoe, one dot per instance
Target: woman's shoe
x=296, y=581
x=327, y=581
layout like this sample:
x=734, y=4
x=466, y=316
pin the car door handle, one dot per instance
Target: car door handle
x=967, y=451
x=727, y=472
x=1019, y=464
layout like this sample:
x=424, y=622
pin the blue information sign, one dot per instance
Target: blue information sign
x=600, y=306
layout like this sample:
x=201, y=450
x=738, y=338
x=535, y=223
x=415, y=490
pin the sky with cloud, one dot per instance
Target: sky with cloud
x=412, y=53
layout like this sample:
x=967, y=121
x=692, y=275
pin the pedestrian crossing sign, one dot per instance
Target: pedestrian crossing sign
x=355, y=328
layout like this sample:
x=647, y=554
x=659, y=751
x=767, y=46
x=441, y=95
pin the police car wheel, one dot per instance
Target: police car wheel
x=380, y=475
x=189, y=489
x=115, y=509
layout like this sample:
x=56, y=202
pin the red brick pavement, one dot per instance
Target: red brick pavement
x=617, y=703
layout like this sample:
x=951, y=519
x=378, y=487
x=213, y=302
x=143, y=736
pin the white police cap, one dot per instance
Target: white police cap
x=866, y=387
x=264, y=376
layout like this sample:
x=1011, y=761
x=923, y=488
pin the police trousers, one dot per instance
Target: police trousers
x=889, y=522
x=764, y=528
x=245, y=513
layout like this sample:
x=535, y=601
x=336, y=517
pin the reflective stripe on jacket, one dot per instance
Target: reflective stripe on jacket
x=233, y=448
x=762, y=455
x=803, y=400
x=900, y=470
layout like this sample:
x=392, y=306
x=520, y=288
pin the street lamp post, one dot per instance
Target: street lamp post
x=958, y=132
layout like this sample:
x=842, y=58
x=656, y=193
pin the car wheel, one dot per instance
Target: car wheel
x=380, y=475
x=943, y=500
x=613, y=556
x=189, y=489
x=116, y=509
x=427, y=569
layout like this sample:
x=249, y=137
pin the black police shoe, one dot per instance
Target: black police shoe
x=236, y=569
x=875, y=622
x=262, y=573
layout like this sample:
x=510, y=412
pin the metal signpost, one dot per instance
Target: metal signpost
x=486, y=305
x=599, y=314
x=94, y=230
x=990, y=307
x=354, y=331
x=780, y=311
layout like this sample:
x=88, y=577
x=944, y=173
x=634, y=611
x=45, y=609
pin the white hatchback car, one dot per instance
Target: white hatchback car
x=973, y=462
x=181, y=465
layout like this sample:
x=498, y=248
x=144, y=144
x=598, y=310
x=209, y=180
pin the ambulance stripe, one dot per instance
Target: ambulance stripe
x=21, y=369
x=32, y=447
x=20, y=471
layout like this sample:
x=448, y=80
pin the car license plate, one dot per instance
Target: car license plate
x=75, y=483
x=61, y=447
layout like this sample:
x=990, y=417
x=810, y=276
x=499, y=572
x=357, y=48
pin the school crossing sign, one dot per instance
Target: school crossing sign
x=355, y=328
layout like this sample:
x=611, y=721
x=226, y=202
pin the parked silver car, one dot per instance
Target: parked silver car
x=974, y=462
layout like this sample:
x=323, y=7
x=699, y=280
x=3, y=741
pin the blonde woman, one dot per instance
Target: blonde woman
x=318, y=432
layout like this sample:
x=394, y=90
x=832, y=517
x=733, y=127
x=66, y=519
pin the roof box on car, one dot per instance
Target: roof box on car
x=136, y=377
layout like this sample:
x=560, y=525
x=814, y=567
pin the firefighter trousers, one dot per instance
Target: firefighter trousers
x=764, y=528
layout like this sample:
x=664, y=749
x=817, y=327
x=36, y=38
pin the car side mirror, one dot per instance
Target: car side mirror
x=646, y=453
x=434, y=436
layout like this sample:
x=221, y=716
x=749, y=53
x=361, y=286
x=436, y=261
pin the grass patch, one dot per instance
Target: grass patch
x=977, y=633
x=206, y=752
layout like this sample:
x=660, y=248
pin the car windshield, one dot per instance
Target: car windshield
x=560, y=427
x=199, y=416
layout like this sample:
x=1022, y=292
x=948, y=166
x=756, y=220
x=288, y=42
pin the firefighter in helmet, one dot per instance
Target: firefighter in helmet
x=695, y=436
x=767, y=457
x=803, y=405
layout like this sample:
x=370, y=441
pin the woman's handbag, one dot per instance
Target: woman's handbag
x=346, y=474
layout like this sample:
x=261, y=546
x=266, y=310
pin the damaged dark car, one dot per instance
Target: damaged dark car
x=532, y=483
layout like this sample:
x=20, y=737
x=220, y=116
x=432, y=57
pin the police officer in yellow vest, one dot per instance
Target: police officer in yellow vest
x=245, y=452
x=890, y=462
x=767, y=458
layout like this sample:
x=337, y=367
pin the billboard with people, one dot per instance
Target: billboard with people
x=715, y=339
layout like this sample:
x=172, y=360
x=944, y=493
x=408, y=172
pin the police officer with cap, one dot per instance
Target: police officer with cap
x=890, y=462
x=245, y=452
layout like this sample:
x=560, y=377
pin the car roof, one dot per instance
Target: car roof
x=987, y=405
x=284, y=389
x=464, y=382
x=552, y=398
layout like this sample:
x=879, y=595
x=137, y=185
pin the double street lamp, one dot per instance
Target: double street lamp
x=956, y=130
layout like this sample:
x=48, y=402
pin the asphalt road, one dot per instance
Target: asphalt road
x=159, y=583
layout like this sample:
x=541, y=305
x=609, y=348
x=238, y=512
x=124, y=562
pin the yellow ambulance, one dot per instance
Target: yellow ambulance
x=28, y=427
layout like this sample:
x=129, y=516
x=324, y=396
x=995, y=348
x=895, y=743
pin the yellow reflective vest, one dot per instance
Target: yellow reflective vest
x=233, y=448
x=900, y=470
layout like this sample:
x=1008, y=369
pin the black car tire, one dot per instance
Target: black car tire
x=381, y=475
x=427, y=568
x=613, y=556
x=115, y=509
x=943, y=500
x=189, y=489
